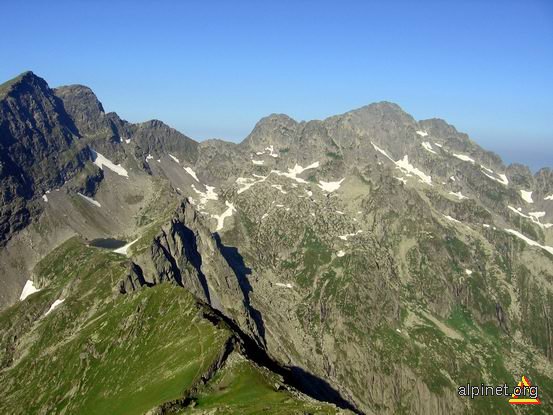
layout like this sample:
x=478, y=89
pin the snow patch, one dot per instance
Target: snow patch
x=209, y=194
x=149, y=157
x=295, y=171
x=468, y=272
x=258, y=162
x=221, y=218
x=452, y=219
x=279, y=284
x=533, y=216
x=347, y=235
x=422, y=133
x=526, y=196
x=530, y=241
x=458, y=195
x=407, y=167
x=191, y=173
x=271, y=151
x=44, y=197
x=502, y=178
x=247, y=182
x=102, y=162
x=401, y=179
x=340, y=254
x=382, y=151
x=550, y=197
x=330, y=186
x=438, y=145
x=28, y=289
x=452, y=178
x=54, y=305
x=309, y=193
x=174, y=158
x=463, y=157
x=428, y=147
x=94, y=202
x=128, y=140
x=485, y=225
x=124, y=249
x=279, y=187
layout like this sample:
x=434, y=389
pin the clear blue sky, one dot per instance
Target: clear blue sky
x=213, y=68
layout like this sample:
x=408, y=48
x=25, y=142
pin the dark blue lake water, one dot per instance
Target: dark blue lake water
x=107, y=243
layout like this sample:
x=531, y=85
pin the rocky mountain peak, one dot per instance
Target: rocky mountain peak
x=274, y=129
x=153, y=124
x=377, y=112
x=156, y=137
x=21, y=83
x=37, y=150
x=276, y=119
x=80, y=98
x=85, y=108
x=520, y=175
x=381, y=107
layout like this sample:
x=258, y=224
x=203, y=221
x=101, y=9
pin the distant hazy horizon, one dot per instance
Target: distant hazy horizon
x=212, y=69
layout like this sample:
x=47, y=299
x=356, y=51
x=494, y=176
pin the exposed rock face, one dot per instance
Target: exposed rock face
x=133, y=281
x=39, y=149
x=218, y=160
x=544, y=182
x=185, y=253
x=86, y=111
x=521, y=175
x=155, y=137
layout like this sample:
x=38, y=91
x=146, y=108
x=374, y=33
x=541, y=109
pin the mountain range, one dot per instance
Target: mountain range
x=365, y=263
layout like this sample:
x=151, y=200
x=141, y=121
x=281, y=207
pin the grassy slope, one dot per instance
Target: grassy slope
x=101, y=352
x=243, y=388
x=6, y=86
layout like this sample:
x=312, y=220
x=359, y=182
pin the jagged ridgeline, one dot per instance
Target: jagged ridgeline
x=365, y=263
